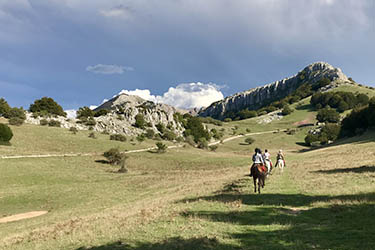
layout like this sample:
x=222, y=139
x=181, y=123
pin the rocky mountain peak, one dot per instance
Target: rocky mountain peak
x=259, y=96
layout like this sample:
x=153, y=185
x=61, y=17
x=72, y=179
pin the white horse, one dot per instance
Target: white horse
x=280, y=163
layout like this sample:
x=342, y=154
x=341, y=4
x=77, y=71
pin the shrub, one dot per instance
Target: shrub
x=48, y=105
x=140, y=138
x=118, y=137
x=16, y=121
x=227, y=120
x=169, y=135
x=140, y=121
x=160, y=127
x=43, y=122
x=190, y=140
x=331, y=131
x=114, y=156
x=4, y=107
x=5, y=133
x=328, y=115
x=54, y=123
x=150, y=133
x=123, y=168
x=92, y=135
x=16, y=112
x=90, y=122
x=213, y=147
x=100, y=112
x=248, y=130
x=74, y=130
x=161, y=147
x=195, y=128
x=310, y=138
x=84, y=112
x=202, y=143
x=286, y=110
x=249, y=140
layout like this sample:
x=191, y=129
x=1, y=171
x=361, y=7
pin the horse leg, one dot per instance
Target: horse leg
x=255, y=184
x=259, y=184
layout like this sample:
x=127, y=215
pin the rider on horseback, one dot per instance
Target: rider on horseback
x=257, y=160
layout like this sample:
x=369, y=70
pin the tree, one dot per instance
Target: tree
x=202, y=143
x=84, y=113
x=140, y=121
x=328, y=115
x=100, y=112
x=114, y=156
x=140, y=138
x=195, y=128
x=286, y=110
x=161, y=147
x=150, y=133
x=48, y=105
x=4, y=107
x=5, y=133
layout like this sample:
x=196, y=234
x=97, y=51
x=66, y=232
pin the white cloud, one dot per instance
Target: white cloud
x=71, y=113
x=117, y=11
x=108, y=69
x=185, y=95
x=92, y=107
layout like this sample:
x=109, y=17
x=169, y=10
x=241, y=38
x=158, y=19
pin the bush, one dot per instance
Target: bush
x=161, y=147
x=16, y=112
x=74, y=130
x=286, y=110
x=6, y=133
x=85, y=112
x=169, y=135
x=4, y=107
x=140, y=121
x=227, y=120
x=150, y=133
x=160, y=127
x=16, y=121
x=114, y=156
x=54, y=123
x=140, y=138
x=48, y=105
x=213, y=147
x=190, y=140
x=100, y=112
x=328, y=115
x=118, y=137
x=195, y=128
x=310, y=138
x=249, y=140
x=202, y=143
x=90, y=122
x=92, y=135
x=43, y=122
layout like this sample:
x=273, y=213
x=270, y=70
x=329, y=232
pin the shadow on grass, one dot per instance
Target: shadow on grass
x=308, y=107
x=176, y=243
x=362, y=169
x=367, y=137
x=5, y=143
x=102, y=161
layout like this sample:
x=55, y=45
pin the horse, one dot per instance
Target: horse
x=259, y=172
x=280, y=163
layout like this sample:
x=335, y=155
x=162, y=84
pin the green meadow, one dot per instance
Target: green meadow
x=189, y=198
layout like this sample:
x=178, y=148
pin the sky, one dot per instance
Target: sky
x=187, y=53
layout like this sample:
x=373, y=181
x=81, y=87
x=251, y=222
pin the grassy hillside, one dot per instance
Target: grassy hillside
x=189, y=198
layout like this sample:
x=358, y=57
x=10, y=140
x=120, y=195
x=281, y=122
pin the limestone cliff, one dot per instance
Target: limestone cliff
x=257, y=97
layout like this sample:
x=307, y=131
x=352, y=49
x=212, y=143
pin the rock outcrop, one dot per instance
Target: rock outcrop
x=260, y=96
x=121, y=118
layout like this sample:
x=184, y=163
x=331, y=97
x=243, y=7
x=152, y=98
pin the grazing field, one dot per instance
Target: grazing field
x=189, y=198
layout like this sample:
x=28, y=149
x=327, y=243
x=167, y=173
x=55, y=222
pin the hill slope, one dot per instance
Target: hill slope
x=260, y=96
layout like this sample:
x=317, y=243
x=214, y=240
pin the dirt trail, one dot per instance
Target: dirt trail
x=130, y=151
x=22, y=216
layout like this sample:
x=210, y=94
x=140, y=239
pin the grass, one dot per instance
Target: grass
x=189, y=198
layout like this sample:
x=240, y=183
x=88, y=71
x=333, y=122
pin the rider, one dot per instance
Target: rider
x=257, y=160
x=280, y=160
x=267, y=160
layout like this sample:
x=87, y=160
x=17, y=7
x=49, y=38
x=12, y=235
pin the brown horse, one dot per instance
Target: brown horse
x=258, y=172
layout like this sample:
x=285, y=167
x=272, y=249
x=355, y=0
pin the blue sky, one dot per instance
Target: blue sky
x=182, y=52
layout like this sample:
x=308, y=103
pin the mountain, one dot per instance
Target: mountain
x=258, y=97
x=124, y=109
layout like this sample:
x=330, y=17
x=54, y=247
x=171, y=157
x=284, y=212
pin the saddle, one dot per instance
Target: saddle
x=261, y=168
